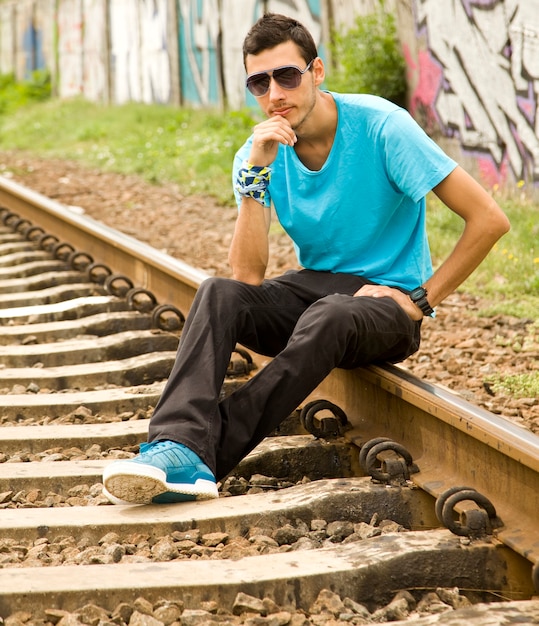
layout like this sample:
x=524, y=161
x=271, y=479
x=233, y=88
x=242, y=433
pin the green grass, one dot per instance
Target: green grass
x=522, y=385
x=194, y=149
x=14, y=94
x=160, y=143
x=509, y=276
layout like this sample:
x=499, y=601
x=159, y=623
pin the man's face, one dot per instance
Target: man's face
x=293, y=104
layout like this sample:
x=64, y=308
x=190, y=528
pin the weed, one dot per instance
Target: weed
x=368, y=59
x=516, y=385
x=14, y=94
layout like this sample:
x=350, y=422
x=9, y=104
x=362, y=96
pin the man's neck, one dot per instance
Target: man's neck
x=315, y=140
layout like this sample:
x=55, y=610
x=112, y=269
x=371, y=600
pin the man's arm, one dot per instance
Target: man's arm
x=484, y=224
x=249, y=251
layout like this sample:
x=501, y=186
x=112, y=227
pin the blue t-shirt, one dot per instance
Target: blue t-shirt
x=363, y=212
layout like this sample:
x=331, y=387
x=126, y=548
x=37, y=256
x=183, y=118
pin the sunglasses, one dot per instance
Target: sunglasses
x=286, y=76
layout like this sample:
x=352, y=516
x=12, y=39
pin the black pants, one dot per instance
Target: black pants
x=308, y=321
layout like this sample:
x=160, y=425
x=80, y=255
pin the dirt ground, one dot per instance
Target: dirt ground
x=459, y=350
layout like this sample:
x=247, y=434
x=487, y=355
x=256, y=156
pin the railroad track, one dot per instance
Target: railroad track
x=380, y=483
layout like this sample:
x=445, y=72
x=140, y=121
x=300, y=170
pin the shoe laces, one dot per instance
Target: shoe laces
x=171, y=452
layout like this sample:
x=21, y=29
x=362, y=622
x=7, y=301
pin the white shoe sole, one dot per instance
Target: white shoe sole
x=130, y=483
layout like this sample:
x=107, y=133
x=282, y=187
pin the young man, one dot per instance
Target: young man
x=347, y=176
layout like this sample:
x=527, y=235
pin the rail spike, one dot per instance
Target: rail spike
x=389, y=468
x=473, y=523
x=330, y=426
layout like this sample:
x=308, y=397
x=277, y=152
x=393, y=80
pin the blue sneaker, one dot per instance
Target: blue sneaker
x=164, y=471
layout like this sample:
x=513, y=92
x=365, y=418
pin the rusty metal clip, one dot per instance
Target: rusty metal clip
x=34, y=233
x=23, y=226
x=330, y=426
x=47, y=242
x=240, y=367
x=80, y=261
x=11, y=219
x=62, y=250
x=391, y=469
x=144, y=304
x=473, y=523
x=167, y=322
x=4, y=214
x=113, y=284
x=98, y=273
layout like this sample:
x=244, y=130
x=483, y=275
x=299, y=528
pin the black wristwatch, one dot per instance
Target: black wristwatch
x=419, y=296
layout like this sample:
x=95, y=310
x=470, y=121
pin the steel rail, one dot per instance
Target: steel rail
x=169, y=279
x=452, y=442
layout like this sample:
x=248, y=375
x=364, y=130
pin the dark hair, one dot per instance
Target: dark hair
x=273, y=29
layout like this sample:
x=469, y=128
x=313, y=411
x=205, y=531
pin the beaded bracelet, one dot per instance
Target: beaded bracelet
x=252, y=181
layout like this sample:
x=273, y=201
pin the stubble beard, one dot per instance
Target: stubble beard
x=306, y=110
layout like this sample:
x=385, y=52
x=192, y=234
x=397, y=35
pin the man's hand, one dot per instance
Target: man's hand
x=382, y=291
x=266, y=139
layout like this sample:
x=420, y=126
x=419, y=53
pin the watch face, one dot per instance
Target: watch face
x=417, y=293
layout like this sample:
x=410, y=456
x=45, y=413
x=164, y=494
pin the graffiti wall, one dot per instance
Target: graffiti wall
x=210, y=43
x=477, y=78
x=473, y=65
x=139, y=50
x=95, y=51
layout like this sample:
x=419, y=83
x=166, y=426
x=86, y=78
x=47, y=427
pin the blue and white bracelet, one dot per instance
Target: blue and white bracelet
x=252, y=181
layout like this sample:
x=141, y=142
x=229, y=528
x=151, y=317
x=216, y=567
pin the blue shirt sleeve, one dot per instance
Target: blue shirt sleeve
x=415, y=163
